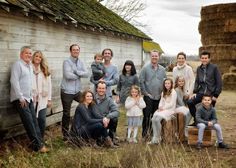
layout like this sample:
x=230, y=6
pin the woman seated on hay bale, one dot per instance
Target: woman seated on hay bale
x=88, y=125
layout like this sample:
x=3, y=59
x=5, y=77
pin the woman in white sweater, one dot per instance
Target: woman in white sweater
x=182, y=69
x=42, y=88
x=134, y=105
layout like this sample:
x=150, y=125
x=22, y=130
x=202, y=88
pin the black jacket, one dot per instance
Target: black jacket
x=208, y=81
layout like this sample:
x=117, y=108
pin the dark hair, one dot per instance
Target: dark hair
x=100, y=82
x=133, y=69
x=98, y=55
x=165, y=91
x=73, y=46
x=181, y=53
x=108, y=50
x=205, y=53
x=82, y=98
x=207, y=95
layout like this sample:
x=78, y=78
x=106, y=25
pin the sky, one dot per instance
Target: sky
x=174, y=23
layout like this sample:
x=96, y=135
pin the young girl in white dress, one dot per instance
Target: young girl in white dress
x=134, y=105
x=165, y=110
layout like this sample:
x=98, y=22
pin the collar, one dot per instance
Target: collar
x=99, y=98
x=179, y=67
x=154, y=66
x=24, y=63
x=74, y=59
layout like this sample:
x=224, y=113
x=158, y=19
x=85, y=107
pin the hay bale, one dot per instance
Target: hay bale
x=229, y=80
x=218, y=36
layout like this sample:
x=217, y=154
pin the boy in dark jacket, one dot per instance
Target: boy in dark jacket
x=206, y=117
x=98, y=68
x=208, y=81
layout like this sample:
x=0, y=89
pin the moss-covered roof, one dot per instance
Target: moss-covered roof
x=151, y=45
x=81, y=12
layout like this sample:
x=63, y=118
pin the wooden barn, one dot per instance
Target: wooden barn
x=52, y=26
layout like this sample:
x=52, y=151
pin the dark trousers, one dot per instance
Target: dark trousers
x=192, y=105
x=94, y=131
x=66, y=100
x=151, y=107
x=112, y=127
x=42, y=121
x=28, y=118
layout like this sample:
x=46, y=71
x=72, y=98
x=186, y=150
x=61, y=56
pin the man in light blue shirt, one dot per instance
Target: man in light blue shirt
x=73, y=71
x=21, y=97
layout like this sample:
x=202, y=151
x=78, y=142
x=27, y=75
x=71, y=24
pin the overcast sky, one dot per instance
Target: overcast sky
x=174, y=23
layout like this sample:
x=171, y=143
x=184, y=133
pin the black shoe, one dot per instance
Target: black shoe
x=193, y=124
x=199, y=145
x=223, y=145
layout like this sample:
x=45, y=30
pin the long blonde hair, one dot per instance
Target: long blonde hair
x=43, y=63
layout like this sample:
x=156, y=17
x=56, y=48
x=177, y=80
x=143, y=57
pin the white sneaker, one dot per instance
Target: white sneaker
x=129, y=140
x=135, y=140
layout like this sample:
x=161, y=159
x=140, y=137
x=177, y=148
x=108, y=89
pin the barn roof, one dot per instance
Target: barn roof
x=148, y=46
x=88, y=14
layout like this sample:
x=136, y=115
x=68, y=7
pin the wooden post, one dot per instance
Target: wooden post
x=181, y=126
x=169, y=129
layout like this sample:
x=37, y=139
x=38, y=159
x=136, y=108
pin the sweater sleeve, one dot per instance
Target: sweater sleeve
x=113, y=110
x=49, y=87
x=218, y=82
x=190, y=84
x=213, y=116
x=141, y=103
x=68, y=71
x=114, y=79
x=142, y=82
x=196, y=84
x=84, y=115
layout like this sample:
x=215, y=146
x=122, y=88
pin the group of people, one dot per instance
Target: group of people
x=148, y=98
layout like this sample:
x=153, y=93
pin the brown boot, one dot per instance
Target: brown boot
x=108, y=142
x=44, y=150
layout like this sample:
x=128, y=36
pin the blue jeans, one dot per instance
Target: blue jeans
x=94, y=131
x=201, y=129
x=42, y=121
x=28, y=118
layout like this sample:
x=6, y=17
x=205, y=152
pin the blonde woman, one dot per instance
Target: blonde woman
x=42, y=88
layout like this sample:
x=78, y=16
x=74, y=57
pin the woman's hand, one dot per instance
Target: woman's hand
x=49, y=103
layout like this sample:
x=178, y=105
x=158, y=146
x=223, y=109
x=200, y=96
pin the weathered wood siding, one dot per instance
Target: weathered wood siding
x=53, y=39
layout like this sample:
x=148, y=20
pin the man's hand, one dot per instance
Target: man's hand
x=192, y=96
x=214, y=98
x=105, y=122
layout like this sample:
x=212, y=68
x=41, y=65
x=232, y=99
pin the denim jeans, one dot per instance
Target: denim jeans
x=42, y=121
x=148, y=111
x=28, y=118
x=201, y=128
x=66, y=100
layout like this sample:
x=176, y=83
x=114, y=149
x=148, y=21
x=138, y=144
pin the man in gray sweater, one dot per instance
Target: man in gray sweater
x=151, y=80
x=107, y=108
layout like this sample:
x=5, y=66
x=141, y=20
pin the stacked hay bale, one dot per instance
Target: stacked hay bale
x=218, y=36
